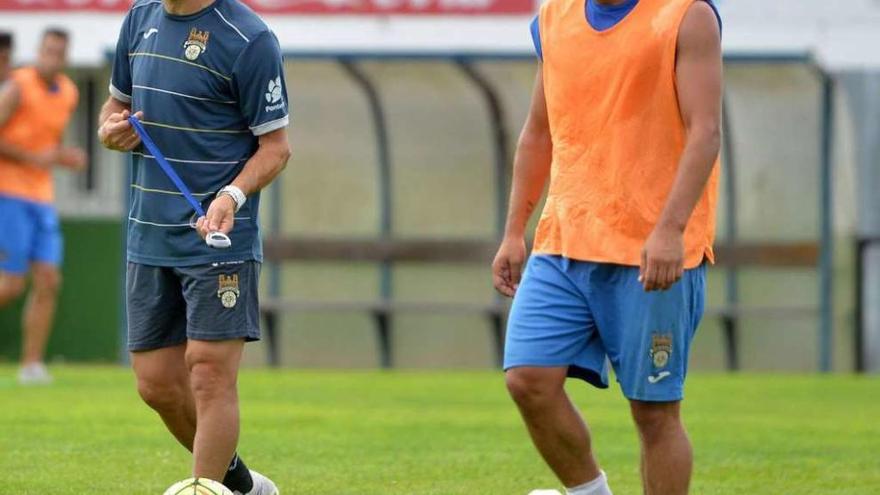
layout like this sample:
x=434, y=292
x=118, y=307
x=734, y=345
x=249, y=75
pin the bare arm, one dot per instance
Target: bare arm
x=530, y=171
x=269, y=160
x=262, y=168
x=9, y=97
x=699, y=82
x=9, y=94
x=531, y=165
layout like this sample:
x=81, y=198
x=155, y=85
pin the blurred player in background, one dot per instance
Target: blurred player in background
x=206, y=79
x=36, y=104
x=625, y=121
x=5, y=56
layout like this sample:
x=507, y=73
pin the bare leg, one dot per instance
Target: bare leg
x=39, y=312
x=163, y=383
x=557, y=429
x=213, y=368
x=667, y=458
x=11, y=287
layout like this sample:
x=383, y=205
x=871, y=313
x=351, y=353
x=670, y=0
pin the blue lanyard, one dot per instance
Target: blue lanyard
x=166, y=167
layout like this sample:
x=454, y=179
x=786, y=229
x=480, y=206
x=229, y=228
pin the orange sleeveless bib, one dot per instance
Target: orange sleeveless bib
x=36, y=125
x=617, y=134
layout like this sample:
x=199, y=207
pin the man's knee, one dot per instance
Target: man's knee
x=162, y=395
x=46, y=280
x=11, y=287
x=531, y=388
x=210, y=376
x=208, y=381
x=655, y=419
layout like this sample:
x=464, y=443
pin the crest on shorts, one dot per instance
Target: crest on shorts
x=227, y=290
x=661, y=349
x=196, y=44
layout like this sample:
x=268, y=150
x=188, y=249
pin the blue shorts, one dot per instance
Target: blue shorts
x=30, y=233
x=583, y=315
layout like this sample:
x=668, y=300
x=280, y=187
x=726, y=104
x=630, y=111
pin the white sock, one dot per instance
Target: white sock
x=598, y=486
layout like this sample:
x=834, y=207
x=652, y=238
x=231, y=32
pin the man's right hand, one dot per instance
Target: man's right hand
x=116, y=133
x=508, y=265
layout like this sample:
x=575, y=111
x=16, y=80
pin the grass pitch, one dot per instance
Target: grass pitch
x=433, y=433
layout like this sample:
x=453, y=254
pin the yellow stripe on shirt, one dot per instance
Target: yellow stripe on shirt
x=191, y=129
x=182, y=61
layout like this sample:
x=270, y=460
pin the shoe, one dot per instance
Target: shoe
x=262, y=485
x=545, y=492
x=34, y=374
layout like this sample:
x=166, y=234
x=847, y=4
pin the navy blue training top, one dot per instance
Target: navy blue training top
x=601, y=17
x=209, y=85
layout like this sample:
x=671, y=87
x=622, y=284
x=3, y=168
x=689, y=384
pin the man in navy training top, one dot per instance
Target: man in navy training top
x=206, y=79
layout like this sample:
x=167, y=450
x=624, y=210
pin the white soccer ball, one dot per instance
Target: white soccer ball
x=198, y=486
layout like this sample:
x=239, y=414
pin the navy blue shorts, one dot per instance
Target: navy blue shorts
x=166, y=306
x=583, y=315
x=31, y=233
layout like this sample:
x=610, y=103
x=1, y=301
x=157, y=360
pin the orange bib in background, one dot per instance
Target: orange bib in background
x=617, y=134
x=37, y=124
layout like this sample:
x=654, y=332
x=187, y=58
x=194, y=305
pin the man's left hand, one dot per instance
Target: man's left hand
x=662, y=258
x=220, y=216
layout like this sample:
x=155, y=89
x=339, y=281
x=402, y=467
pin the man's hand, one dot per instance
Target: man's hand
x=220, y=216
x=508, y=265
x=662, y=258
x=46, y=159
x=69, y=158
x=73, y=159
x=116, y=133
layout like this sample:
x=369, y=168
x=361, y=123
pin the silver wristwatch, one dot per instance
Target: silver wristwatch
x=236, y=194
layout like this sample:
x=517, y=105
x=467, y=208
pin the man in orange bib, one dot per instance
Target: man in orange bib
x=625, y=123
x=35, y=106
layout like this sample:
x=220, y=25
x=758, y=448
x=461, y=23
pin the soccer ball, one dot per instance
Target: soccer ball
x=198, y=486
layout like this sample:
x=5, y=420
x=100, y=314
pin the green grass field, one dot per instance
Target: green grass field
x=435, y=433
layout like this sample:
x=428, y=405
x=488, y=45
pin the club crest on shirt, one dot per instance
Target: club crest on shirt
x=228, y=291
x=661, y=349
x=196, y=44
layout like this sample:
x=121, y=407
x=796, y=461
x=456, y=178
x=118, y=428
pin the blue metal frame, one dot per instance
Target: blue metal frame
x=826, y=194
x=500, y=145
x=507, y=56
x=826, y=327
x=383, y=149
x=730, y=322
x=352, y=55
x=863, y=245
x=771, y=58
x=272, y=329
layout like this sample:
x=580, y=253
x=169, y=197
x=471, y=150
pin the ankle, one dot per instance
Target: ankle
x=238, y=476
x=598, y=486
